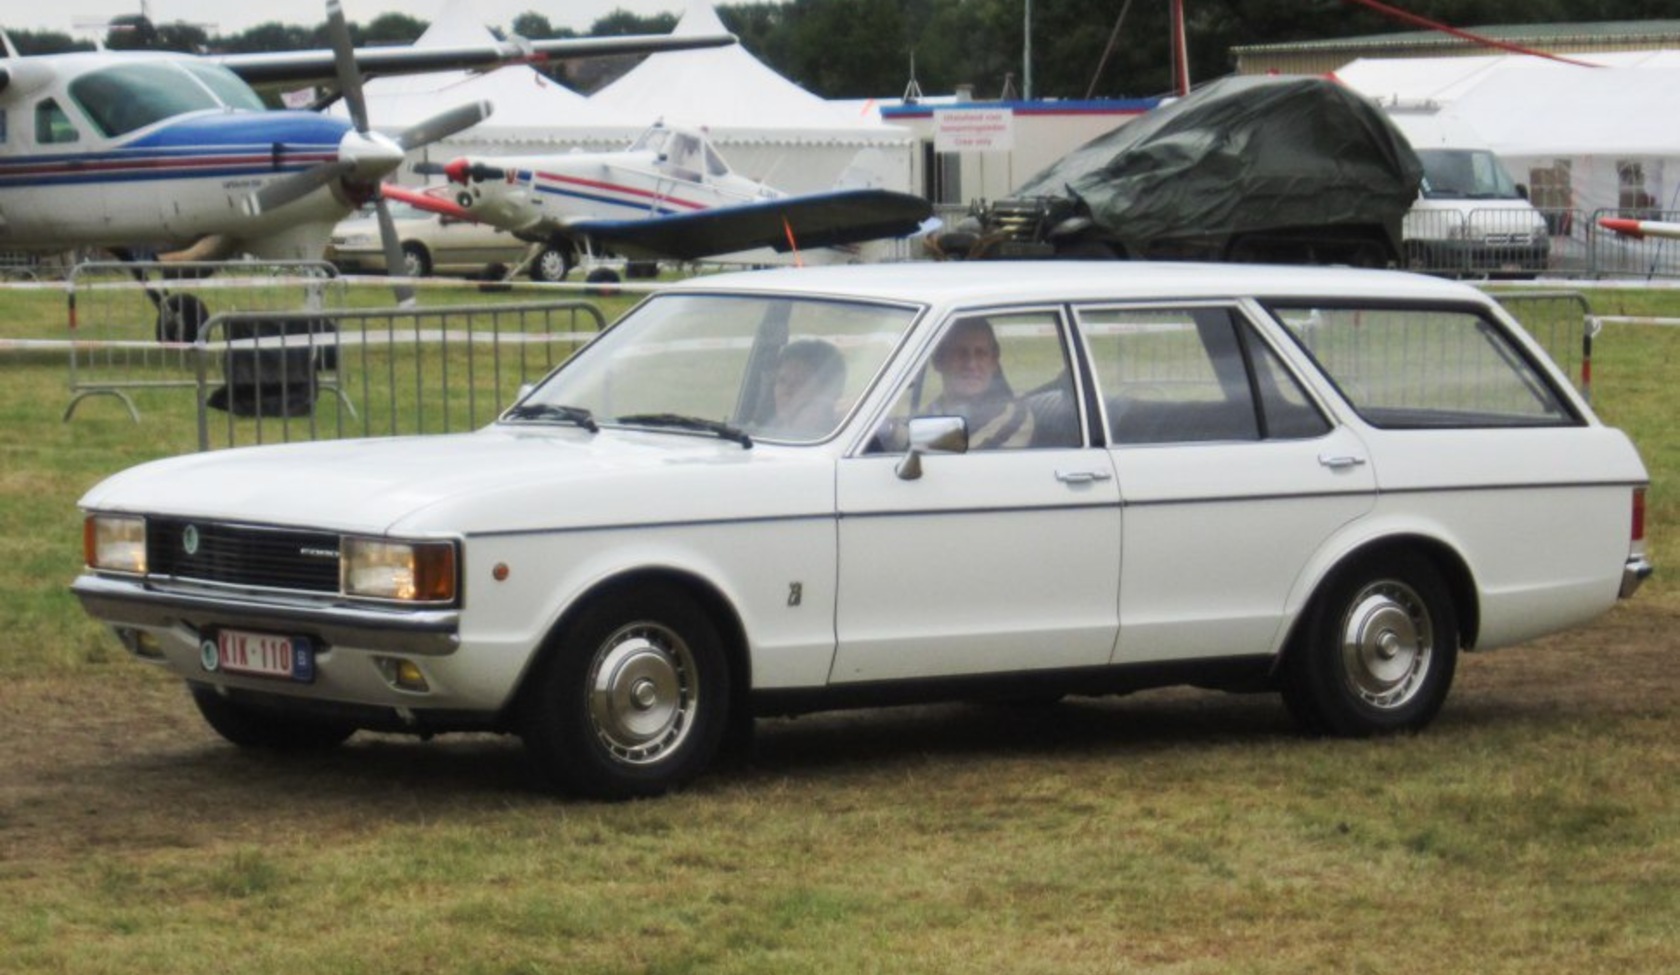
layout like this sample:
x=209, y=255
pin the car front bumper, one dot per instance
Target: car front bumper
x=356, y=650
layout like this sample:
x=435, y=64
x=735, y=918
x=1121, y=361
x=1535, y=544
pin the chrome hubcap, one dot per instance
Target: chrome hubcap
x=642, y=696
x=1387, y=642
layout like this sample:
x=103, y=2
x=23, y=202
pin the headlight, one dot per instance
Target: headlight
x=421, y=572
x=115, y=543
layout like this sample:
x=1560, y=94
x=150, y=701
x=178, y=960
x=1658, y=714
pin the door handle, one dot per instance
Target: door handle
x=1082, y=477
x=1340, y=462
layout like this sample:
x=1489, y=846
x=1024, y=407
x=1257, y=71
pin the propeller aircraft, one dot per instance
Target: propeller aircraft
x=175, y=156
x=669, y=196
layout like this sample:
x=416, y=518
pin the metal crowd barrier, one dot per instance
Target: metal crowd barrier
x=1564, y=325
x=1490, y=243
x=1613, y=255
x=132, y=326
x=268, y=377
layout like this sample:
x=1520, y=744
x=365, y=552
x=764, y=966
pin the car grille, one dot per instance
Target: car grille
x=243, y=555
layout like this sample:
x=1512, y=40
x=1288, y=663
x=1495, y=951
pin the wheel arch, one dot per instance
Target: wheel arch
x=1455, y=574
x=711, y=601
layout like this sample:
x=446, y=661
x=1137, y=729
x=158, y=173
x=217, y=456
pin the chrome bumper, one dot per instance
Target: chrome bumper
x=1637, y=570
x=130, y=602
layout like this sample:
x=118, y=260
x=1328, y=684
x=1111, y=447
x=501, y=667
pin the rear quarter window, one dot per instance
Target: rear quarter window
x=1404, y=368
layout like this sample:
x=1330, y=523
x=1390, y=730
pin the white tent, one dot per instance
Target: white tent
x=527, y=106
x=1584, y=138
x=766, y=126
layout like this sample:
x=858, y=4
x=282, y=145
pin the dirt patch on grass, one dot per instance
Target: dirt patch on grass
x=117, y=757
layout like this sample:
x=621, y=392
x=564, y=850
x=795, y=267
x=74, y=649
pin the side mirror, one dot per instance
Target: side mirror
x=1522, y=190
x=932, y=435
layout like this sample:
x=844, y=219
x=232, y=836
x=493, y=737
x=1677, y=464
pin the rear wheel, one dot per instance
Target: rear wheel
x=631, y=700
x=252, y=727
x=1378, y=652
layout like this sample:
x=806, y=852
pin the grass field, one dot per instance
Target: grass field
x=1533, y=828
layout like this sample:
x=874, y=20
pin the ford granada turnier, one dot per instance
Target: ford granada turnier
x=788, y=491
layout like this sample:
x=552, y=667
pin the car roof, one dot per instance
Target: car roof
x=1008, y=282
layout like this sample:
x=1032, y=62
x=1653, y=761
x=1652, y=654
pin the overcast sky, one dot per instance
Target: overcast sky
x=224, y=17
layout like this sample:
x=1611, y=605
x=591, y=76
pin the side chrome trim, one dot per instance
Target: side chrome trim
x=129, y=602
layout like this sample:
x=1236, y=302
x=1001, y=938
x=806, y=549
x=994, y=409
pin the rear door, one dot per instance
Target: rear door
x=1231, y=476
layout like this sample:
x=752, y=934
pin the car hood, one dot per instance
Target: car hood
x=501, y=479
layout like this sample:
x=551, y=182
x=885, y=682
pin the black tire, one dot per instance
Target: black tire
x=180, y=316
x=259, y=728
x=602, y=275
x=417, y=262
x=1378, y=650
x=552, y=265
x=632, y=699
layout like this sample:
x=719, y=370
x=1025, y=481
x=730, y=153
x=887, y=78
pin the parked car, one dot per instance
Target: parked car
x=1470, y=217
x=431, y=244
x=785, y=491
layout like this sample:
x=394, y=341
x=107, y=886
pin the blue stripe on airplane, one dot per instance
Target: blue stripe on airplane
x=228, y=129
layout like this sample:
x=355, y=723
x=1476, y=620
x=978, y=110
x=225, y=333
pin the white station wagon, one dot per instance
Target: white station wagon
x=789, y=491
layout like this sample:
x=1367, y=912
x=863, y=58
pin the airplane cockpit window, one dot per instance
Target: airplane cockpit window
x=683, y=154
x=228, y=87
x=715, y=164
x=52, y=125
x=126, y=97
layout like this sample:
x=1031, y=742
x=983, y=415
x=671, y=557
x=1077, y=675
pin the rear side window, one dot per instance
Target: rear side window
x=1189, y=375
x=1407, y=368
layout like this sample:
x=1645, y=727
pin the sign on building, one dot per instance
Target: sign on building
x=974, y=130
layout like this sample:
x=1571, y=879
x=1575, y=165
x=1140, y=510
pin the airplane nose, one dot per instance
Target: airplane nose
x=456, y=170
x=370, y=154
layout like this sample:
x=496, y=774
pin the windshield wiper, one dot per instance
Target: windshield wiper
x=550, y=411
x=681, y=422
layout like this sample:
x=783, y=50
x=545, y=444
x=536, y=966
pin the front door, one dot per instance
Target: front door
x=1006, y=557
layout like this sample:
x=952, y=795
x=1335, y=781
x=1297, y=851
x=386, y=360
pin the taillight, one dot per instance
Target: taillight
x=1638, y=532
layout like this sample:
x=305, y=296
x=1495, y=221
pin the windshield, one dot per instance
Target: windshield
x=775, y=367
x=126, y=97
x=1465, y=174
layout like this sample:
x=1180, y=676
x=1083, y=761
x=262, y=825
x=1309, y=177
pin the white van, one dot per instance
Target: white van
x=1471, y=217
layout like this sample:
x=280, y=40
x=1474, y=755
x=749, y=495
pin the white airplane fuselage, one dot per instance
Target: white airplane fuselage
x=537, y=194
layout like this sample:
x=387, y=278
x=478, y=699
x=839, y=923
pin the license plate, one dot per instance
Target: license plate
x=260, y=655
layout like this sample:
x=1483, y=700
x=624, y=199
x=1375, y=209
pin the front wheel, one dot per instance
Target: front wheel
x=631, y=700
x=1378, y=652
x=551, y=265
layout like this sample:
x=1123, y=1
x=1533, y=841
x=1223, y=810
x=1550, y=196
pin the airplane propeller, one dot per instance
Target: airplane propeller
x=365, y=156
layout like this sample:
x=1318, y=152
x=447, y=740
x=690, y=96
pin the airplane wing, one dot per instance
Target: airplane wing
x=816, y=220
x=301, y=67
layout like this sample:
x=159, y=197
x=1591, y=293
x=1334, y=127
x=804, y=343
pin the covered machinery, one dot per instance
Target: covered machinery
x=1265, y=169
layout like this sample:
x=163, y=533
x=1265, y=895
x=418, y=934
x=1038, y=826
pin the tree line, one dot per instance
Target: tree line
x=871, y=48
